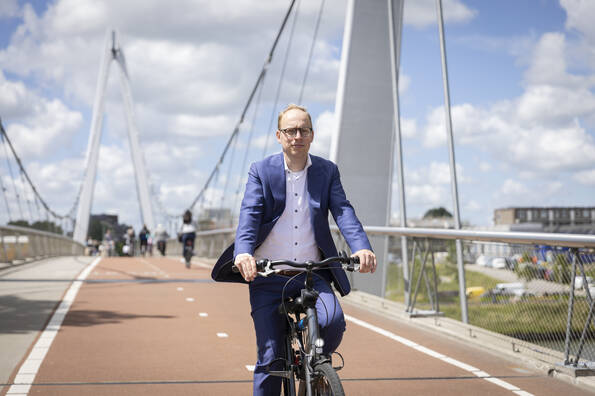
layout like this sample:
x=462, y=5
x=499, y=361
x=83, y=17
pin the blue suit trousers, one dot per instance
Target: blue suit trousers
x=270, y=326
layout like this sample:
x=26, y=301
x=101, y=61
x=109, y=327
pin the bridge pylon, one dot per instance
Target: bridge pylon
x=112, y=52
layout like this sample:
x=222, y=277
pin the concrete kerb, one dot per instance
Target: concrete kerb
x=542, y=359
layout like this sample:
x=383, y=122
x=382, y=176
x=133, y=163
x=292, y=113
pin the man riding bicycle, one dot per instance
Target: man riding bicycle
x=284, y=215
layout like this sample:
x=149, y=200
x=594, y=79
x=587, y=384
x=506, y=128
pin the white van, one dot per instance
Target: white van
x=514, y=288
x=578, y=282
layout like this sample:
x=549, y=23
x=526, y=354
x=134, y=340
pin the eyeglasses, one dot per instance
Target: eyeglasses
x=292, y=132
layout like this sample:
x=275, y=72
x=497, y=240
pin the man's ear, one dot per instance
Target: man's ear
x=278, y=135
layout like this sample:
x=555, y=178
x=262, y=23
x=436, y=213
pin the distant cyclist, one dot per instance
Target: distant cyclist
x=187, y=235
x=143, y=237
x=284, y=216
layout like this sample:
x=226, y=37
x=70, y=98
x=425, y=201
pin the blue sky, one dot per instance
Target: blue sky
x=521, y=77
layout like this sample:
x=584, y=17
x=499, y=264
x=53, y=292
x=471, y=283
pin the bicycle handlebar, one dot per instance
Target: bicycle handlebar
x=268, y=266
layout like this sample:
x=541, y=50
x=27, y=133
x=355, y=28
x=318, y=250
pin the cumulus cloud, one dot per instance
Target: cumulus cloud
x=586, y=177
x=422, y=13
x=436, y=173
x=45, y=125
x=542, y=130
x=323, y=127
x=514, y=188
x=9, y=9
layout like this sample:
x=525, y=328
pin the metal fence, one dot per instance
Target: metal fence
x=20, y=244
x=536, y=288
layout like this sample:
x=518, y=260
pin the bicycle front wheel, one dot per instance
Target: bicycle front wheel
x=325, y=382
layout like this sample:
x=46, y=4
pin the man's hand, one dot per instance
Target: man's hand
x=247, y=266
x=367, y=260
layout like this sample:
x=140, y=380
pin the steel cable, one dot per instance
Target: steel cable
x=14, y=186
x=24, y=175
x=311, y=51
x=280, y=83
x=249, y=101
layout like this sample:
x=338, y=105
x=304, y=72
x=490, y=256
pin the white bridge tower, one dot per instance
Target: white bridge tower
x=112, y=52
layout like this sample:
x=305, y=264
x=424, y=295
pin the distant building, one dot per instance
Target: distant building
x=108, y=221
x=573, y=220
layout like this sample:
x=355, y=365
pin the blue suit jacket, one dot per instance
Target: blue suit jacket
x=264, y=202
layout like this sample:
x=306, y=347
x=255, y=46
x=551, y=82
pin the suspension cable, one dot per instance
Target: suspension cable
x=229, y=171
x=280, y=83
x=14, y=186
x=311, y=51
x=5, y=199
x=244, y=161
x=237, y=127
x=25, y=175
x=26, y=196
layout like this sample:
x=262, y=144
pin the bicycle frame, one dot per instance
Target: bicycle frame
x=301, y=363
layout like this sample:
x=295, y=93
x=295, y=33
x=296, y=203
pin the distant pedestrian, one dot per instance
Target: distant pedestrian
x=108, y=243
x=129, y=242
x=161, y=238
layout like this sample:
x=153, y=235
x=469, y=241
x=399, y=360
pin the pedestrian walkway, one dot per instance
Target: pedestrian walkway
x=149, y=326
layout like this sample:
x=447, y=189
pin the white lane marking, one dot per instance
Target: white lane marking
x=189, y=299
x=28, y=370
x=156, y=268
x=180, y=288
x=250, y=367
x=203, y=314
x=475, y=371
x=222, y=335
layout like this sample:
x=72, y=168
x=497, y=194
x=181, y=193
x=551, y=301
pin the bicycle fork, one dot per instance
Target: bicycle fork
x=313, y=347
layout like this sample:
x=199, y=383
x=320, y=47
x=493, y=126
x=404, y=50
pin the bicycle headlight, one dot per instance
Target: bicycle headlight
x=319, y=343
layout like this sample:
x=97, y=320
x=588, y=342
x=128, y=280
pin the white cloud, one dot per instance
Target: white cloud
x=421, y=13
x=485, y=166
x=586, y=177
x=513, y=188
x=542, y=130
x=9, y=8
x=436, y=173
x=426, y=195
x=408, y=127
x=324, y=126
x=580, y=16
x=48, y=125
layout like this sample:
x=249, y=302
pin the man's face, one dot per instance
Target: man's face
x=297, y=145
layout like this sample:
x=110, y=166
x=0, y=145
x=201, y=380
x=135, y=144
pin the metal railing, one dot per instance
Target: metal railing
x=20, y=244
x=537, y=288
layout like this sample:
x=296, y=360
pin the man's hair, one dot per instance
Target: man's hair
x=292, y=106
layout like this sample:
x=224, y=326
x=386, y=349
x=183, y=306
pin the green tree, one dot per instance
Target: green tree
x=437, y=212
x=19, y=223
x=49, y=226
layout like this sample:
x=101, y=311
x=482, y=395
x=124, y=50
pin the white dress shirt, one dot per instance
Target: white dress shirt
x=292, y=237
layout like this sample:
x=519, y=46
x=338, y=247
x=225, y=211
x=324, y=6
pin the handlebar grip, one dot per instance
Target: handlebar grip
x=260, y=266
x=355, y=260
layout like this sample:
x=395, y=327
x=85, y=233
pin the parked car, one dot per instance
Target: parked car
x=475, y=291
x=483, y=260
x=578, y=282
x=499, y=262
x=513, y=288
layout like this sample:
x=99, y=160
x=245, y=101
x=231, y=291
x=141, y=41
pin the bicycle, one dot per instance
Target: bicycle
x=303, y=360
